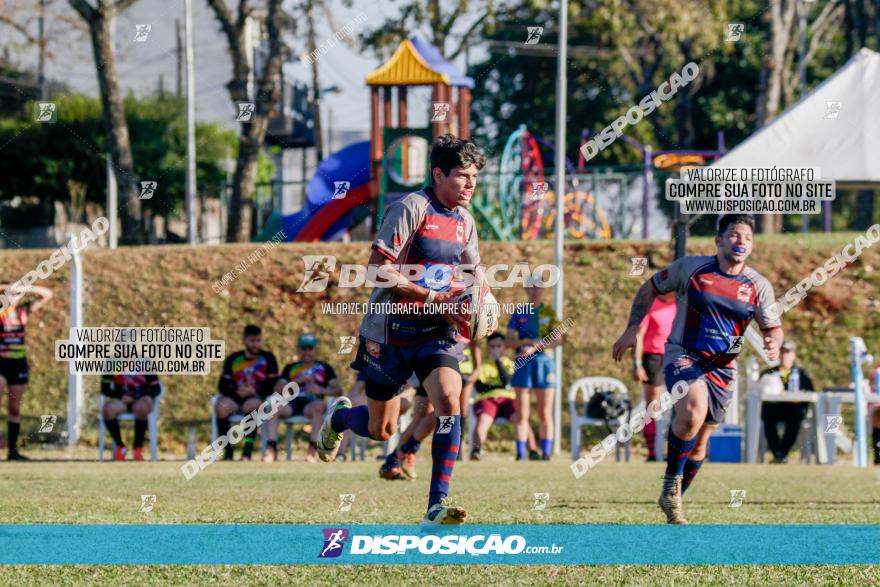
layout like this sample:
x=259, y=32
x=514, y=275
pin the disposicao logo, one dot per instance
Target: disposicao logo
x=334, y=540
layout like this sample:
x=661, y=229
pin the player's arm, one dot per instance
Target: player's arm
x=267, y=385
x=152, y=387
x=554, y=341
x=280, y=382
x=476, y=357
x=405, y=288
x=107, y=387
x=767, y=317
x=44, y=294
x=773, y=342
x=640, y=306
x=226, y=385
x=639, y=373
x=333, y=388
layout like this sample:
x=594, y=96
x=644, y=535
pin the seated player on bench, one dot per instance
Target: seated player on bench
x=248, y=378
x=316, y=380
x=791, y=414
x=128, y=392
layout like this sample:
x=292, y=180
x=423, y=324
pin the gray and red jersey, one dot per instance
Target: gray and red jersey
x=419, y=230
x=713, y=309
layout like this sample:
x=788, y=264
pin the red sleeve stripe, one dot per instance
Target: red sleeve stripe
x=388, y=255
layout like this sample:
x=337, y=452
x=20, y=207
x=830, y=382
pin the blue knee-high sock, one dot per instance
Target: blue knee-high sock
x=521, y=449
x=691, y=468
x=410, y=447
x=677, y=452
x=546, y=447
x=444, y=450
x=355, y=419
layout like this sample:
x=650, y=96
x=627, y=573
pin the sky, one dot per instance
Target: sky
x=140, y=64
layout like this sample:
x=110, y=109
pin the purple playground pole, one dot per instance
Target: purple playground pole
x=646, y=191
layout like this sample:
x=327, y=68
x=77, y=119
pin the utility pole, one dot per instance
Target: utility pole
x=179, y=36
x=316, y=88
x=41, y=66
x=802, y=69
x=559, y=164
x=190, y=128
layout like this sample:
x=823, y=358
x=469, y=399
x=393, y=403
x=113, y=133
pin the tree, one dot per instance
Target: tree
x=46, y=157
x=427, y=17
x=252, y=133
x=99, y=19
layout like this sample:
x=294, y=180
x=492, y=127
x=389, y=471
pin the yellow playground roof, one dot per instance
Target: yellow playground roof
x=416, y=63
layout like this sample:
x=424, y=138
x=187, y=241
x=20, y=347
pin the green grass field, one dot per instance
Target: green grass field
x=496, y=491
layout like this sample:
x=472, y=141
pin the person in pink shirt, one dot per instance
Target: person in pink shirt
x=648, y=357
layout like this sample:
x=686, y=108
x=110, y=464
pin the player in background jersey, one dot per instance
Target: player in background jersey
x=247, y=379
x=431, y=228
x=535, y=368
x=316, y=380
x=716, y=299
x=14, y=369
x=648, y=357
x=129, y=392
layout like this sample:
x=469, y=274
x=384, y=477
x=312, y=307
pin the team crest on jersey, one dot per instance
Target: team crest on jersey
x=374, y=349
x=744, y=293
x=664, y=275
x=459, y=231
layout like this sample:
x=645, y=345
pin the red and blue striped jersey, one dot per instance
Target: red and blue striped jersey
x=714, y=308
x=419, y=230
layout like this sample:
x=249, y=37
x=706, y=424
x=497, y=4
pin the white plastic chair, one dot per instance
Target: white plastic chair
x=264, y=432
x=583, y=389
x=152, y=425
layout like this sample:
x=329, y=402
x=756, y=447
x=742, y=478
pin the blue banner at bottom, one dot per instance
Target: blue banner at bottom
x=211, y=544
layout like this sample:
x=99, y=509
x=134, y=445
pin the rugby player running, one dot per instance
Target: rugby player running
x=432, y=228
x=717, y=297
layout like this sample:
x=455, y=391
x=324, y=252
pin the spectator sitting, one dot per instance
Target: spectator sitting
x=494, y=396
x=128, y=392
x=791, y=414
x=316, y=379
x=247, y=379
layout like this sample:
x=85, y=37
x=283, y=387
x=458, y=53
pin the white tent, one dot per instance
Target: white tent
x=836, y=128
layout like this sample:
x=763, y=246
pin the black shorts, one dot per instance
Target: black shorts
x=129, y=408
x=300, y=402
x=653, y=365
x=14, y=371
x=387, y=368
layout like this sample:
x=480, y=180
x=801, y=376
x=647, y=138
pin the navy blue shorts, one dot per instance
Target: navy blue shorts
x=386, y=368
x=684, y=367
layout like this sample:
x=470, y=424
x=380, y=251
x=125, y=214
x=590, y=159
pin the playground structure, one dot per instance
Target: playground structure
x=358, y=182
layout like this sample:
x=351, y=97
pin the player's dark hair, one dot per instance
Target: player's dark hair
x=449, y=152
x=729, y=219
x=251, y=330
x=495, y=335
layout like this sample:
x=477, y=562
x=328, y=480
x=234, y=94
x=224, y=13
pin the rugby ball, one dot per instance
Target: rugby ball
x=479, y=307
